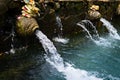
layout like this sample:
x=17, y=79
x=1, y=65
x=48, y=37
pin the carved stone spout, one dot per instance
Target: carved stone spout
x=26, y=26
x=93, y=12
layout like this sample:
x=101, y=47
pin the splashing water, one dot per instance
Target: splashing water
x=82, y=25
x=112, y=31
x=94, y=28
x=60, y=34
x=86, y=25
x=61, y=40
x=49, y=48
x=56, y=61
x=103, y=42
x=98, y=40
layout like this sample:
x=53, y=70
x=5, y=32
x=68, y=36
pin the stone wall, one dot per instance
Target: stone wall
x=92, y=0
x=69, y=12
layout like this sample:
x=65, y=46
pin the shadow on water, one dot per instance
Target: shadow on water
x=16, y=66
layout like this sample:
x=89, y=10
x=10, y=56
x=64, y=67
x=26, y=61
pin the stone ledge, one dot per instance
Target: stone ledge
x=93, y=0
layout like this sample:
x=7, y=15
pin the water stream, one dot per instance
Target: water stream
x=112, y=31
x=81, y=25
x=90, y=29
x=80, y=59
x=60, y=38
x=100, y=41
x=56, y=61
x=12, y=50
x=60, y=26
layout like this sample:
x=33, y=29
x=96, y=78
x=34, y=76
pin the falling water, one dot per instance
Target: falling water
x=86, y=25
x=81, y=25
x=112, y=31
x=94, y=28
x=60, y=34
x=98, y=40
x=12, y=50
x=61, y=40
x=49, y=48
x=59, y=23
x=53, y=58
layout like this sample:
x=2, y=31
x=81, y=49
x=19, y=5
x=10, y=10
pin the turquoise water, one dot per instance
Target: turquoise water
x=102, y=61
x=84, y=54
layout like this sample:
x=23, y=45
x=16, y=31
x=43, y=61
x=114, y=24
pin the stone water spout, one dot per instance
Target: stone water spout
x=93, y=12
x=26, y=23
x=26, y=26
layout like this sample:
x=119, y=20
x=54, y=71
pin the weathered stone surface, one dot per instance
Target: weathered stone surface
x=26, y=26
x=118, y=10
x=7, y=6
x=3, y=8
x=93, y=14
x=69, y=12
x=91, y=0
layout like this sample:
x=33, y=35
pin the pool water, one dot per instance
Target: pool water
x=102, y=61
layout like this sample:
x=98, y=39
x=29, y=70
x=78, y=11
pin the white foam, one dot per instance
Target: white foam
x=77, y=74
x=61, y=40
x=56, y=61
x=72, y=73
x=112, y=31
x=103, y=42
